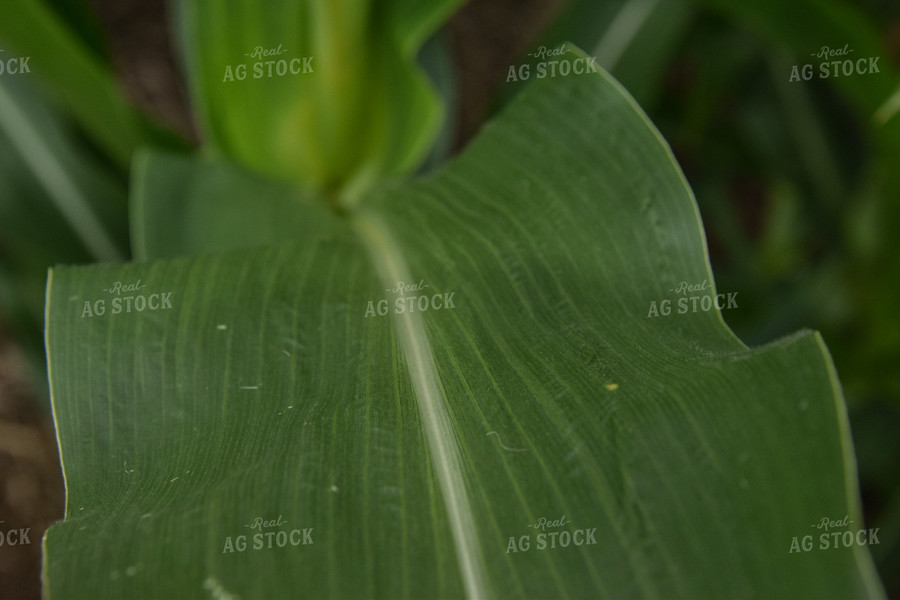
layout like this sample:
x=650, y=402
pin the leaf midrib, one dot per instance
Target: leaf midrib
x=443, y=443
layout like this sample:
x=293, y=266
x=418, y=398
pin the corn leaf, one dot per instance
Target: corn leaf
x=454, y=390
x=326, y=94
x=36, y=40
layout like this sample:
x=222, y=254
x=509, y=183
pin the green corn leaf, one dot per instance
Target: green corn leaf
x=525, y=431
x=184, y=206
x=77, y=188
x=806, y=27
x=632, y=39
x=56, y=204
x=323, y=93
x=31, y=33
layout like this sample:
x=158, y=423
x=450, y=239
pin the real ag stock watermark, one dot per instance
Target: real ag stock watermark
x=845, y=537
x=126, y=297
x=268, y=64
x=553, y=534
x=13, y=65
x=14, y=537
x=269, y=534
x=550, y=66
x=410, y=298
x=685, y=303
x=844, y=66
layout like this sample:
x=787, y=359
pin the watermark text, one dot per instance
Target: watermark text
x=835, y=533
x=126, y=297
x=268, y=65
x=844, y=66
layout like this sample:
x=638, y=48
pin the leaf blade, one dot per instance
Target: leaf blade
x=360, y=109
x=659, y=438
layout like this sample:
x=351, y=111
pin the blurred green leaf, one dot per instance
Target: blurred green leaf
x=81, y=19
x=806, y=26
x=638, y=43
x=338, y=104
x=79, y=190
x=632, y=39
x=889, y=110
x=86, y=87
x=57, y=204
x=411, y=22
x=183, y=206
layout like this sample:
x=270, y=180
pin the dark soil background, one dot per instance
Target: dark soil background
x=30, y=478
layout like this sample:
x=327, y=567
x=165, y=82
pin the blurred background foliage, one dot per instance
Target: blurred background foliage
x=798, y=183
